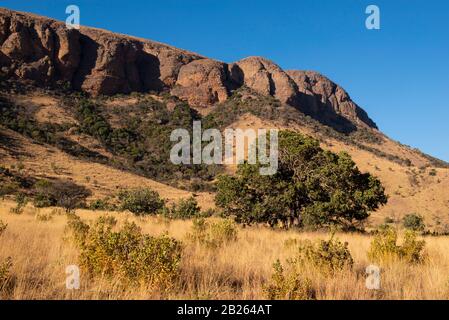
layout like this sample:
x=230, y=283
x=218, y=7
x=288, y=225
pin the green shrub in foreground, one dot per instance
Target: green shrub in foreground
x=126, y=253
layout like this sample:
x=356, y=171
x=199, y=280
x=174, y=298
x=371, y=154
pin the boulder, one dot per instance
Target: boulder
x=202, y=82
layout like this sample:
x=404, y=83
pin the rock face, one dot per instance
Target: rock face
x=203, y=82
x=267, y=78
x=321, y=96
x=45, y=52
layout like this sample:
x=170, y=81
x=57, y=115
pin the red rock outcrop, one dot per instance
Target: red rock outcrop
x=321, y=96
x=46, y=52
x=96, y=61
x=267, y=78
x=203, y=82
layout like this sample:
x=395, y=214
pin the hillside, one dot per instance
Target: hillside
x=96, y=108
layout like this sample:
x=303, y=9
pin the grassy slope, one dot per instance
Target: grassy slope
x=411, y=189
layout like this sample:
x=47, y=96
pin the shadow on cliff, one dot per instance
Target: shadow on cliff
x=88, y=59
x=323, y=113
x=149, y=72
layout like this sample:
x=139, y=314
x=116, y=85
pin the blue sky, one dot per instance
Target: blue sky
x=399, y=74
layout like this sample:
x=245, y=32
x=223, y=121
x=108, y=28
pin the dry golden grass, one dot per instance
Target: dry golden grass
x=238, y=270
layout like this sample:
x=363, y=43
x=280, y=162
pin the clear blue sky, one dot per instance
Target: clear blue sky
x=399, y=74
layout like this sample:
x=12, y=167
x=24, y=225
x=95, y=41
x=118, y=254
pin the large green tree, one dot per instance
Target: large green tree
x=312, y=187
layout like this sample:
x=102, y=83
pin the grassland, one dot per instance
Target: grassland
x=240, y=269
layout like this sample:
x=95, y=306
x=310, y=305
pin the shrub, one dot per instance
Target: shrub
x=384, y=247
x=412, y=249
x=2, y=227
x=65, y=194
x=141, y=201
x=5, y=276
x=388, y=220
x=102, y=204
x=414, y=222
x=214, y=234
x=126, y=254
x=8, y=188
x=21, y=202
x=207, y=213
x=327, y=256
x=185, y=209
x=44, y=217
x=291, y=286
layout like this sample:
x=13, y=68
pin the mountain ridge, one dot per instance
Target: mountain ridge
x=99, y=62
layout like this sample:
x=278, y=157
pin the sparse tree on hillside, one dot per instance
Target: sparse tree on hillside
x=313, y=187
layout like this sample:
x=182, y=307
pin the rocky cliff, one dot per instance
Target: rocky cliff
x=45, y=52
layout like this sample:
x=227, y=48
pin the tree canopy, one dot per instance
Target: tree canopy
x=312, y=187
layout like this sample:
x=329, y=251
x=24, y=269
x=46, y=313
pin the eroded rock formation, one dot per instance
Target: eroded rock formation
x=45, y=51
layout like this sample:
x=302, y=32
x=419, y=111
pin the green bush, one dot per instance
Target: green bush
x=141, y=201
x=290, y=286
x=213, y=234
x=102, y=204
x=384, y=247
x=65, y=194
x=185, y=209
x=126, y=254
x=414, y=222
x=328, y=256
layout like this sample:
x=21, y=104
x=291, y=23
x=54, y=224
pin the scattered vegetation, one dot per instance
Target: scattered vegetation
x=141, y=201
x=384, y=247
x=328, y=256
x=184, y=209
x=126, y=254
x=2, y=227
x=5, y=273
x=102, y=204
x=61, y=193
x=414, y=222
x=290, y=286
x=21, y=202
x=143, y=138
x=213, y=234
